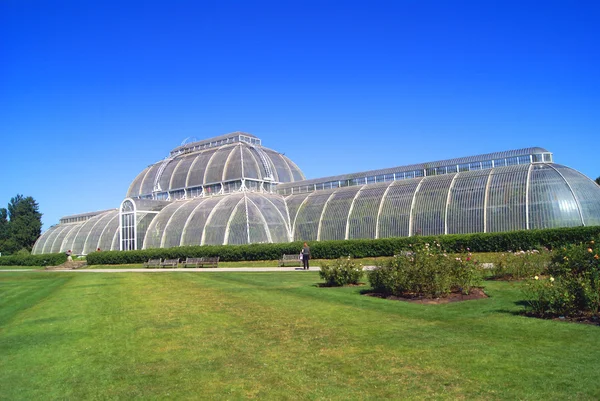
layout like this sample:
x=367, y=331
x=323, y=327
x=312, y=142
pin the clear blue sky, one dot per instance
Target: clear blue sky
x=91, y=92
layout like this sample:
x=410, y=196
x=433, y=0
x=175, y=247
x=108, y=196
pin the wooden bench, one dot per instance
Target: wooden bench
x=192, y=262
x=210, y=261
x=153, y=263
x=206, y=261
x=295, y=258
x=170, y=263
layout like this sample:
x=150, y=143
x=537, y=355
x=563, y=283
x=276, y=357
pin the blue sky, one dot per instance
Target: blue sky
x=91, y=92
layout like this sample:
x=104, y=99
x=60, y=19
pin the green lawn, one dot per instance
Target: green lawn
x=276, y=336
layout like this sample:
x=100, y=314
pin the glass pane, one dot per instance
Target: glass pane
x=551, y=202
x=165, y=177
x=92, y=241
x=251, y=164
x=281, y=169
x=136, y=185
x=41, y=241
x=395, y=212
x=430, y=205
x=587, y=193
x=216, y=166
x=335, y=215
x=214, y=231
x=506, y=199
x=194, y=225
x=109, y=233
x=233, y=166
x=363, y=219
x=173, y=229
x=466, y=206
x=193, y=174
x=148, y=182
x=307, y=223
x=238, y=225
x=272, y=210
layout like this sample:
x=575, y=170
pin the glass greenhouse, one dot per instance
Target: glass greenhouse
x=232, y=190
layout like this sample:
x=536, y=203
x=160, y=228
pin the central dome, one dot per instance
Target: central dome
x=235, y=160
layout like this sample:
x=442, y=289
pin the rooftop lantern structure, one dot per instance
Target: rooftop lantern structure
x=215, y=166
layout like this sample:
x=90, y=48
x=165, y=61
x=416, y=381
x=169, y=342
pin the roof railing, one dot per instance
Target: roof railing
x=217, y=142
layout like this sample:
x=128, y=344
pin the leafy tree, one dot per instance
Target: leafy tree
x=4, y=233
x=23, y=226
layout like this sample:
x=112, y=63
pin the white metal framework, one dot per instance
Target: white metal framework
x=231, y=190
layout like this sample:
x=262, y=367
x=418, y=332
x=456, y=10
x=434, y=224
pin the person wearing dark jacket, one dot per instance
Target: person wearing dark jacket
x=305, y=255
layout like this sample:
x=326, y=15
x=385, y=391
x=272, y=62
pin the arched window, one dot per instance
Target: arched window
x=127, y=219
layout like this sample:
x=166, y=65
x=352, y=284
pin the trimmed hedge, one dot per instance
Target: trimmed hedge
x=49, y=259
x=361, y=248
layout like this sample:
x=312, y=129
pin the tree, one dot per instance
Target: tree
x=23, y=227
x=598, y=180
x=4, y=229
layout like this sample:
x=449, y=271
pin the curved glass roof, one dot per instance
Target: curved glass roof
x=211, y=162
x=518, y=197
x=82, y=237
x=470, y=163
x=238, y=218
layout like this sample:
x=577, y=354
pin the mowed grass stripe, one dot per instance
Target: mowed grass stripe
x=278, y=336
x=476, y=339
x=185, y=334
x=19, y=292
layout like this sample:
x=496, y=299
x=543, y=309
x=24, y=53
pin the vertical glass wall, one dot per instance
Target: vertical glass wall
x=335, y=214
x=429, y=205
x=466, y=206
x=362, y=221
x=394, y=218
x=506, y=206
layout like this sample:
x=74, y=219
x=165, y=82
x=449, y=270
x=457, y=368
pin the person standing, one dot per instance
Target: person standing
x=305, y=256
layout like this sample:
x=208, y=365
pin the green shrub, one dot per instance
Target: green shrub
x=49, y=259
x=521, y=264
x=572, y=287
x=546, y=296
x=342, y=271
x=466, y=273
x=426, y=270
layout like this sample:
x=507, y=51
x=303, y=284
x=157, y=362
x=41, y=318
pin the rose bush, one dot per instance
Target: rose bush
x=427, y=270
x=572, y=287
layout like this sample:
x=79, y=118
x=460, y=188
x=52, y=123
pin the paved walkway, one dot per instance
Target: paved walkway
x=189, y=270
x=203, y=269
